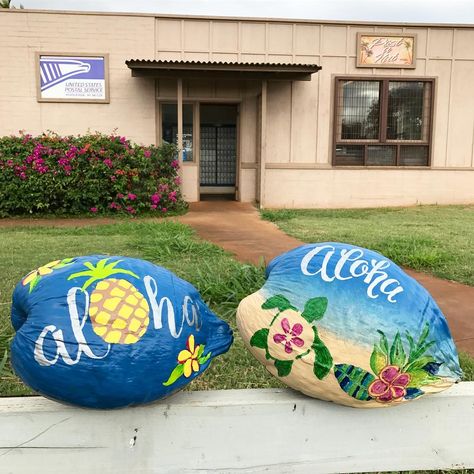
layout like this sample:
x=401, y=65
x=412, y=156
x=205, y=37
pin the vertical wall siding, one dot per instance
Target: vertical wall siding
x=299, y=127
x=300, y=114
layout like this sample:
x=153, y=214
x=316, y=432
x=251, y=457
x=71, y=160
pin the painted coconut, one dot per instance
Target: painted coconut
x=345, y=324
x=108, y=332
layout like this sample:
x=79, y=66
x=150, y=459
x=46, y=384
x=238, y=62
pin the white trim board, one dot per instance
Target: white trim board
x=238, y=431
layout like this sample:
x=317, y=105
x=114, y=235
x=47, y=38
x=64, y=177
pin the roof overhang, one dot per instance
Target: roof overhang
x=221, y=70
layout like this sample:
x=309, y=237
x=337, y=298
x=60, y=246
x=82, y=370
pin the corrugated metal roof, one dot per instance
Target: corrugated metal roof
x=221, y=70
x=179, y=62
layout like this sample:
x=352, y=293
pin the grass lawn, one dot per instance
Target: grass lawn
x=222, y=281
x=434, y=239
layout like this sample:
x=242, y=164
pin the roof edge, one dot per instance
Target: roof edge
x=241, y=18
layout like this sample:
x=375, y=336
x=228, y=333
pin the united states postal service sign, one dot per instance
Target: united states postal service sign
x=72, y=78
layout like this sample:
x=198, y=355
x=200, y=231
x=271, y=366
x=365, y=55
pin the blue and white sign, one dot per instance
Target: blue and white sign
x=72, y=78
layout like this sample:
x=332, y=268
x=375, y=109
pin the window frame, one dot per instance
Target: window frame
x=159, y=125
x=383, y=107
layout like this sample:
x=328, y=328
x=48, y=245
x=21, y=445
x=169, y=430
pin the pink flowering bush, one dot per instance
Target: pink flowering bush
x=92, y=174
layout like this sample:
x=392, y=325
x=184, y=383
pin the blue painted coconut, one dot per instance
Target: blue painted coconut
x=108, y=332
x=345, y=324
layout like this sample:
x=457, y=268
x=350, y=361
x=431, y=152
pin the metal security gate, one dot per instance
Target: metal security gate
x=218, y=156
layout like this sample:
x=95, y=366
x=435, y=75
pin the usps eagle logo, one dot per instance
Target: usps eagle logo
x=56, y=70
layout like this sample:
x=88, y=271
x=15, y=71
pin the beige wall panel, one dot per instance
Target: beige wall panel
x=461, y=124
x=248, y=185
x=278, y=122
x=387, y=71
x=252, y=38
x=441, y=69
x=353, y=69
x=248, y=130
x=343, y=188
x=280, y=39
x=250, y=88
x=280, y=58
x=225, y=36
x=135, y=120
x=334, y=40
x=166, y=88
x=188, y=56
x=227, y=89
x=418, y=71
x=352, y=37
x=169, y=55
x=252, y=58
x=421, y=38
x=225, y=57
x=306, y=40
x=168, y=34
x=464, y=44
x=300, y=59
x=388, y=29
x=304, y=121
x=19, y=113
x=331, y=66
x=190, y=187
x=17, y=70
x=200, y=88
x=196, y=35
x=440, y=43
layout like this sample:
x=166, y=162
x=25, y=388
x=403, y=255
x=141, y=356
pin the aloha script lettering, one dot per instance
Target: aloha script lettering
x=349, y=264
x=160, y=308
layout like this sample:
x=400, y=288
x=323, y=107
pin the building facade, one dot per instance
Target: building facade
x=285, y=113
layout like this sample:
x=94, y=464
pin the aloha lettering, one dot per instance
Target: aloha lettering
x=190, y=315
x=77, y=325
x=351, y=265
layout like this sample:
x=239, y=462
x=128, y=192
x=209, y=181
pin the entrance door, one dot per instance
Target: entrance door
x=218, y=150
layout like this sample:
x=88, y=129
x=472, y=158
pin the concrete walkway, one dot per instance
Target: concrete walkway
x=237, y=227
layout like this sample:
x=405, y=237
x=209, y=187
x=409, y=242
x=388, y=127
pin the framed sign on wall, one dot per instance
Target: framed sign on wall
x=386, y=50
x=72, y=77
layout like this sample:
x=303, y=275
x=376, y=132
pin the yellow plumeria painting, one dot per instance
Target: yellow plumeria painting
x=34, y=277
x=189, y=361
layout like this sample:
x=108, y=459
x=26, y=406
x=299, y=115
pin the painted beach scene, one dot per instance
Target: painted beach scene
x=345, y=324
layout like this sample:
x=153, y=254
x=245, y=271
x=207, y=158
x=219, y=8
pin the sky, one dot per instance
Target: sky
x=410, y=11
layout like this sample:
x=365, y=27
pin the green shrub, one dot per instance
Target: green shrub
x=96, y=173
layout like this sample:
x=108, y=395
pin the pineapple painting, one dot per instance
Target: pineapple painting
x=118, y=311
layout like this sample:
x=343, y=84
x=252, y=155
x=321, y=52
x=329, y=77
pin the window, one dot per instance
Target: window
x=383, y=122
x=169, y=127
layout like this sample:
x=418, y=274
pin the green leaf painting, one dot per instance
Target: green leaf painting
x=283, y=367
x=323, y=359
x=277, y=302
x=397, y=353
x=203, y=360
x=354, y=380
x=175, y=375
x=315, y=308
x=420, y=377
x=259, y=339
x=378, y=359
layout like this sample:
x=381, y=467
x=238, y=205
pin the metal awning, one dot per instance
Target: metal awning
x=222, y=70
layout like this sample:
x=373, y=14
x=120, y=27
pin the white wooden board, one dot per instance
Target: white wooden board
x=238, y=431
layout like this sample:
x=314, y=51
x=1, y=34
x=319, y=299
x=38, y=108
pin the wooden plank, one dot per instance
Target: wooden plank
x=179, y=95
x=238, y=430
x=263, y=144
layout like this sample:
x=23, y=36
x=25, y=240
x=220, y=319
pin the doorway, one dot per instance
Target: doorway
x=218, y=151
